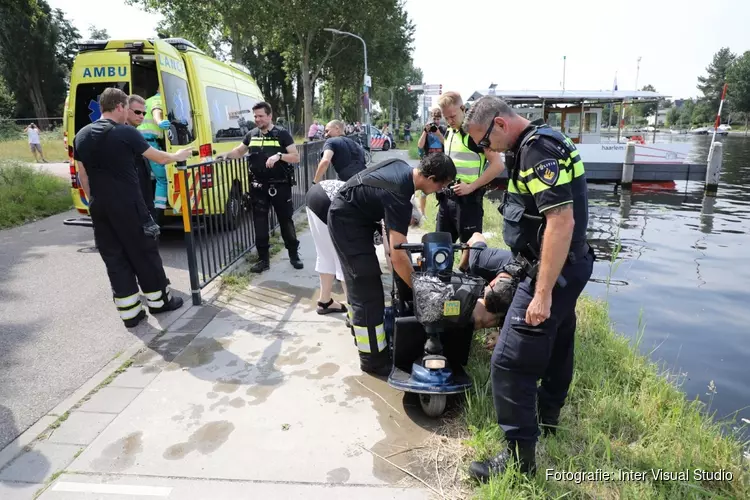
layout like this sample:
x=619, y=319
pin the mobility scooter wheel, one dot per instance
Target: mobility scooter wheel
x=433, y=404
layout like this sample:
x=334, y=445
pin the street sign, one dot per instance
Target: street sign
x=368, y=81
x=413, y=88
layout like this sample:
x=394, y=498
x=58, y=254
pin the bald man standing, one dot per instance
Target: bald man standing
x=346, y=155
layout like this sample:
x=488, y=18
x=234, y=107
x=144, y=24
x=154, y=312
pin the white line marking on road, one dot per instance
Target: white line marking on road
x=114, y=489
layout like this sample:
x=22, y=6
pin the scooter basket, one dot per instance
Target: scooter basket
x=440, y=303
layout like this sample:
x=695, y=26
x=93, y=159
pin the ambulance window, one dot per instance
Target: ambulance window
x=247, y=123
x=87, y=101
x=224, y=110
x=179, y=111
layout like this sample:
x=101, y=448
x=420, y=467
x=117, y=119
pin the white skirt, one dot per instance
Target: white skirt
x=327, y=261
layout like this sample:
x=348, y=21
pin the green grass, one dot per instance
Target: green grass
x=413, y=150
x=622, y=413
x=27, y=194
x=18, y=148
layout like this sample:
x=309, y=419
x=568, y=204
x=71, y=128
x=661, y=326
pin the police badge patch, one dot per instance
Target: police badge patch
x=547, y=171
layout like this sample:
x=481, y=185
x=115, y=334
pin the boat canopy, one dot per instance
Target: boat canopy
x=570, y=96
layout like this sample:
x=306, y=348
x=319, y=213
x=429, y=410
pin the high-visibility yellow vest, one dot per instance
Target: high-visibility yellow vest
x=149, y=125
x=468, y=163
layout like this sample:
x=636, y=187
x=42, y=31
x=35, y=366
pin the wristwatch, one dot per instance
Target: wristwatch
x=279, y=154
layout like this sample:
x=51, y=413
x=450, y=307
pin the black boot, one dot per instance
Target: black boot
x=375, y=364
x=170, y=303
x=548, y=426
x=133, y=322
x=295, y=260
x=525, y=456
x=263, y=264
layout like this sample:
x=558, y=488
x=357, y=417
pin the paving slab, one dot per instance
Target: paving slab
x=110, y=400
x=80, y=428
x=135, y=377
x=76, y=487
x=38, y=464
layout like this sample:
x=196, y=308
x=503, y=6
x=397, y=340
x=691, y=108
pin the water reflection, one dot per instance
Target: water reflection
x=680, y=254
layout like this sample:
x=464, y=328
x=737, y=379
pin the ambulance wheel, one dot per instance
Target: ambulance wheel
x=233, y=208
x=433, y=404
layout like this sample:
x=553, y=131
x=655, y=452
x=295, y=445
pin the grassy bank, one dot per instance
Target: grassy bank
x=27, y=195
x=622, y=414
x=17, y=149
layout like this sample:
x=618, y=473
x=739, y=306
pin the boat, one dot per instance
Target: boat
x=578, y=114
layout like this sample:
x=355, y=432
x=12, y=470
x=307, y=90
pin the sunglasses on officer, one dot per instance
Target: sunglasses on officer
x=485, y=142
x=139, y=112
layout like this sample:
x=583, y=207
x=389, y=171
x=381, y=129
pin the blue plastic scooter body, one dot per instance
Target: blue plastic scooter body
x=423, y=380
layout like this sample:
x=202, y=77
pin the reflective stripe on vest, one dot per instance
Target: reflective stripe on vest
x=149, y=125
x=468, y=163
x=261, y=141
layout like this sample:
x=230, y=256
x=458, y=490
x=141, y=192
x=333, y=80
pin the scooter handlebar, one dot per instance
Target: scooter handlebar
x=409, y=247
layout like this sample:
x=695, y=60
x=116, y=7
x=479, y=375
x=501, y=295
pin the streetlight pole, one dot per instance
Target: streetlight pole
x=390, y=108
x=366, y=78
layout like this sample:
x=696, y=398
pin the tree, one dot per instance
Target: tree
x=738, y=78
x=648, y=109
x=712, y=84
x=35, y=70
x=97, y=34
x=7, y=100
x=673, y=116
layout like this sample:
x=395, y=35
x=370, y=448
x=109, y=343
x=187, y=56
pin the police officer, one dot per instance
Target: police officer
x=136, y=114
x=345, y=154
x=152, y=128
x=271, y=150
x=547, y=201
x=124, y=230
x=381, y=192
x=461, y=210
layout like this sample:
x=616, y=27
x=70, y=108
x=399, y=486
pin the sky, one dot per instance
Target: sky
x=467, y=45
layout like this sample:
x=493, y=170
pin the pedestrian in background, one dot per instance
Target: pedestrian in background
x=125, y=232
x=35, y=142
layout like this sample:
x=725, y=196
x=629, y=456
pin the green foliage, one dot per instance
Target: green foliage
x=712, y=84
x=673, y=116
x=97, y=34
x=27, y=195
x=37, y=48
x=7, y=100
x=702, y=113
x=738, y=78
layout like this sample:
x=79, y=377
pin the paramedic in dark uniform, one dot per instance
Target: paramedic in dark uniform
x=271, y=150
x=136, y=114
x=381, y=192
x=546, y=200
x=124, y=230
x=346, y=156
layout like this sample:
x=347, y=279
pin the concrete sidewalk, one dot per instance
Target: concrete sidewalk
x=252, y=396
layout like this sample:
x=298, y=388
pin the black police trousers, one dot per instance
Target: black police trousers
x=524, y=354
x=460, y=217
x=131, y=257
x=353, y=239
x=284, y=208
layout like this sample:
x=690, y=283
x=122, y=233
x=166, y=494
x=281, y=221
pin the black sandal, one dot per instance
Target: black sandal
x=325, y=308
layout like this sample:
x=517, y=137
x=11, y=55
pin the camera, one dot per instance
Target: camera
x=433, y=127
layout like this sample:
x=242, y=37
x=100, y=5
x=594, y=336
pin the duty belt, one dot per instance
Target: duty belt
x=529, y=261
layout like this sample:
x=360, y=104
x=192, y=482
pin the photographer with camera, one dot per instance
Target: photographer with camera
x=272, y=150
x=432, y=140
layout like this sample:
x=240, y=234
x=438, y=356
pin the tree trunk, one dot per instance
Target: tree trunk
x=37, y=101
x=336, y=98
x=298, y=105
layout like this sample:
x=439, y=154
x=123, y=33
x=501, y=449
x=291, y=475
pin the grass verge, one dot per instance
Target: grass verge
x=622, y=414
x=27, y=194
x=240, y=278
x=18, y=149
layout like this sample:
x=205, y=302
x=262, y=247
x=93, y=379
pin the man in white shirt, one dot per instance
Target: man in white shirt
x=35, y=143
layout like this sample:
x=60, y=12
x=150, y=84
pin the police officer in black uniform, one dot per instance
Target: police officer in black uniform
x=546, y=215
x=125, y=232
x=271, y=150
x=382, y=191
x=346, y=156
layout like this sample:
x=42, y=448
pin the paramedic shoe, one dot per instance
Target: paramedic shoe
x=377, y=364
x=172, y=304
x=525, y=456
x=133, y=322
x=295, y=260
x=260, y=266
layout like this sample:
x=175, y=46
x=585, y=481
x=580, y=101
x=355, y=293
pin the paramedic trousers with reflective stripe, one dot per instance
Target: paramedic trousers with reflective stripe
x=160, y=173
x=524, y=354
x=353, y=240
x=131, y=258
x=462, y=217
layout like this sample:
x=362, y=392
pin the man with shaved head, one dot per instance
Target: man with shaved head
x=346, y=155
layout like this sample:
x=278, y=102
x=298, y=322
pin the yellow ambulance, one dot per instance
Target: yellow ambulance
x=208, y=102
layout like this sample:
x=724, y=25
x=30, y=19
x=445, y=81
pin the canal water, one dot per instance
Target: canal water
x=681, y=276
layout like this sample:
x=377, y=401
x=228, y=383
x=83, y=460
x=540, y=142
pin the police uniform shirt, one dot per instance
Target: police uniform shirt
x=276, y=140
x=348, y=156
x=377, y=204
x=110, y=162
x=549, y=178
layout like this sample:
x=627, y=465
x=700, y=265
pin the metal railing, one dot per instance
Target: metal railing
x=217, y=213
